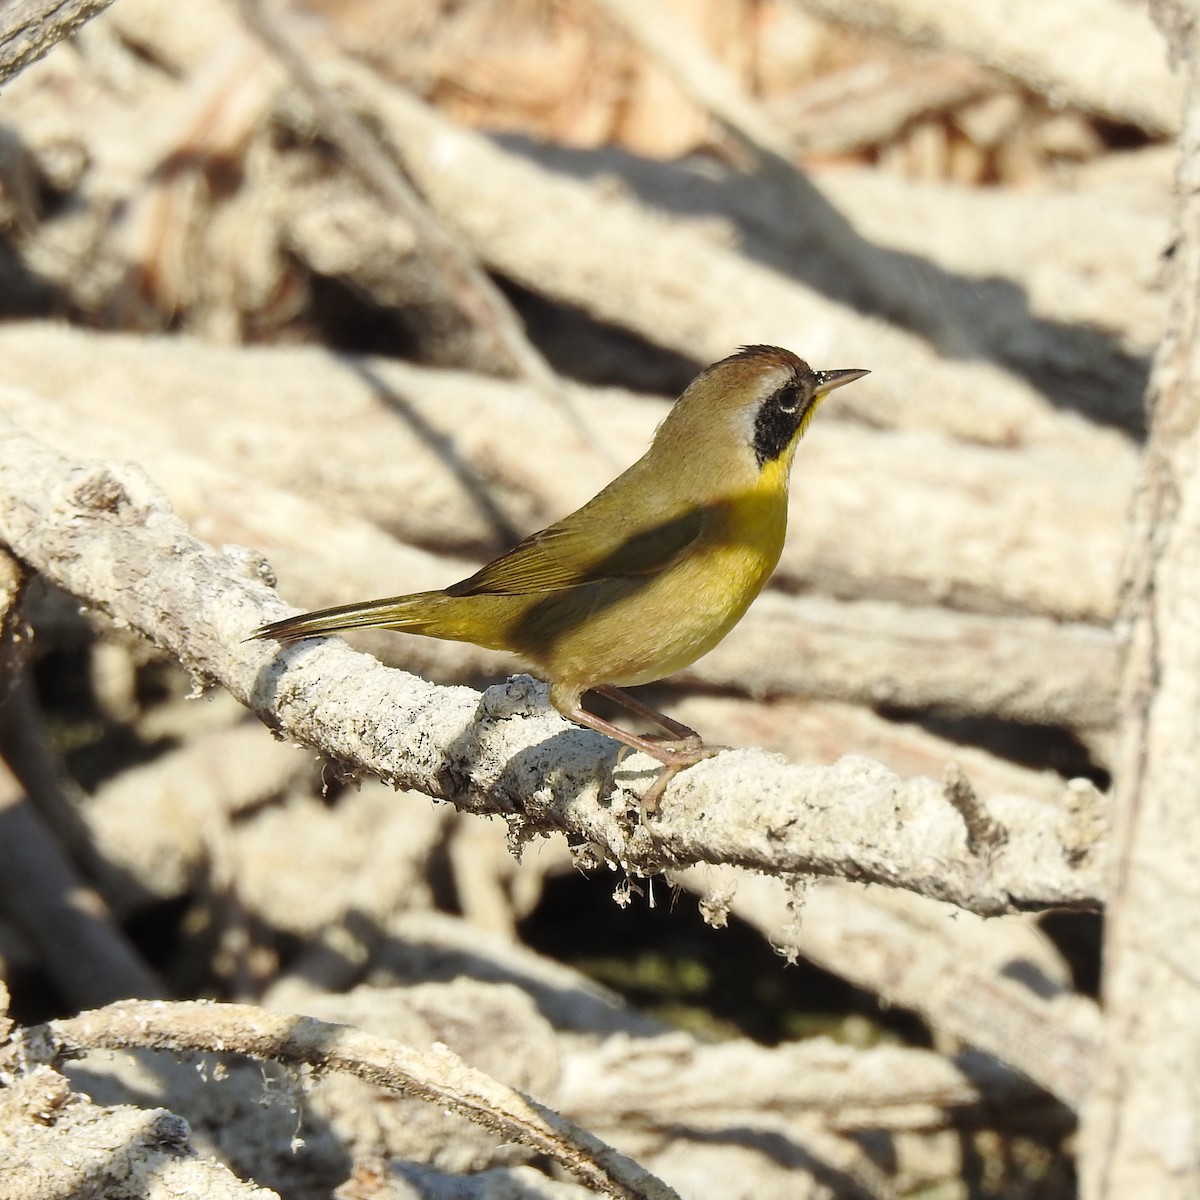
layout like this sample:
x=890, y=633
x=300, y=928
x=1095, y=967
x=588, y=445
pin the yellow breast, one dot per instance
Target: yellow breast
x=636, y=631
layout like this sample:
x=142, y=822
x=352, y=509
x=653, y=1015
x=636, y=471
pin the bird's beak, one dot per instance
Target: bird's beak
x=828, y=380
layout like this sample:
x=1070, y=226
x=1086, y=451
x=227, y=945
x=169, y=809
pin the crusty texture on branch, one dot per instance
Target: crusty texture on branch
x=31, y=28
x=1103, y=55
x=808, y=730
x=436, y=1075
x=106, y=535
x=57, y=1143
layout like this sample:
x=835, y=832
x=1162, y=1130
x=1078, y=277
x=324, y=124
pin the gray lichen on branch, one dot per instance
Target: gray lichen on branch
x=105, y=534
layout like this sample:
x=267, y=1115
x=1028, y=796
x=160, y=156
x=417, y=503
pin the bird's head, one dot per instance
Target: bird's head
x=753, y=407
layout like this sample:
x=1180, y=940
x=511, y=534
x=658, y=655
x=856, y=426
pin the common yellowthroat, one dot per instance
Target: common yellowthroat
x=649, y=574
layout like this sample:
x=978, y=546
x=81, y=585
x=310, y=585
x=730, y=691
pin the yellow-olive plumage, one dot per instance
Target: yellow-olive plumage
x=649, y=574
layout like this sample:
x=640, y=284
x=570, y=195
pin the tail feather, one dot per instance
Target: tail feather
x=397, y=612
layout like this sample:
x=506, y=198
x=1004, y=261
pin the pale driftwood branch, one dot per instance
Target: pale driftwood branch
x=105, y=534
x=674, y=1080
x=151, y=822
x=489, y=193
x=78, y=943
x=475, y=294
x=967, y=979
x=443, y=459
x=884, y=278
x=436, y=1075
x=414, y=947
x=870, y=103
x=1101, y=55
x=30, y=29
x=1045, y=243
x=1139, y=1136
x=53, y=1140
x=1025, y=669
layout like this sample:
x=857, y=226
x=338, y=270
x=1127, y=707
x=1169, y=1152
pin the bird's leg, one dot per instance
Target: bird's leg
x=687, y=749
x=687, y=737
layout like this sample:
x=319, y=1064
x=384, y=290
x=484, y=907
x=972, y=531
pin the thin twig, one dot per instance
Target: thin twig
x=984, y=833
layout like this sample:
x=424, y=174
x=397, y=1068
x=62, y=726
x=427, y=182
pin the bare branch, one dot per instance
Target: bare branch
x=53, y=1140
x=886, y=278
x=489, y=194
x=1102, y=55
x=438, y=1075
x=82, y=949
x=105, y=534
x=962, y=975
x=1138, y=1136
x=30, y=29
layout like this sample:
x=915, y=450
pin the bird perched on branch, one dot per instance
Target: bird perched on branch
x=649, y=574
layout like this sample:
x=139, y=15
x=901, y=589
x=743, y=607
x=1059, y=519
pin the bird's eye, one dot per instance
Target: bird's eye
x=789, y=398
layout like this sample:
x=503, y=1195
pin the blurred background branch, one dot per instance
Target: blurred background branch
x=373, y=298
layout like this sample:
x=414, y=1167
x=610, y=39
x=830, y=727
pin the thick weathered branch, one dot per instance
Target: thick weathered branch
x=57, y=1143
x=964, y=978
x=30, y=29
x=443, y=459
x=105, y=534
x=1140, y=1135
x=1102, y=55
x=81, y=948
x=673, y=1079
x=438, y=1075
x=489, y=193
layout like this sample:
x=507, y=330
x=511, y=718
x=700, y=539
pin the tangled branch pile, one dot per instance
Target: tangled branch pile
x=344, y=299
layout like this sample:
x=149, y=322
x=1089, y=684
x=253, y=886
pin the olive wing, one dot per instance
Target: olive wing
x=576, y=552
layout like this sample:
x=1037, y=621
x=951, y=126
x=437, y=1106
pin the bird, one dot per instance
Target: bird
x=649, y=574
